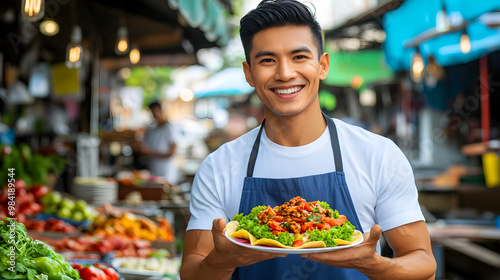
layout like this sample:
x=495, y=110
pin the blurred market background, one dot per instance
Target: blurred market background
x=76, y=77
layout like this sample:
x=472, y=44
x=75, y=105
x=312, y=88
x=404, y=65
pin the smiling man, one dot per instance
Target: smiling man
x=299, y=151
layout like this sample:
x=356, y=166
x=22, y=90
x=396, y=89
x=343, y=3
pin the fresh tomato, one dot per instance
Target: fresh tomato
x=22, y=196
x=6, y=150
x=76, y=266
x=297, y=243
x=5, y=194
x=2, y=213
x=24, y=208
x=20, y=184
x=109, y=271
x=39, y=191
x=37, y=225
x=92, y=273
x=21, y=218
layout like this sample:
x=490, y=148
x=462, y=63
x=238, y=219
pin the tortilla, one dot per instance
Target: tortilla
x=233, y=225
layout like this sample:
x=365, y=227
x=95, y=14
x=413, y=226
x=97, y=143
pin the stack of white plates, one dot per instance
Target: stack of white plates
x=96, y=191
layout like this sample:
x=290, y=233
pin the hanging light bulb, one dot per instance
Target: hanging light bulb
x=465, y=42
x=33, y=10
x=74, y=49
x=135, y=54
x=122, y=41
x=433, y=72
x=49, y=27
x=417, y=66
x=442, y=20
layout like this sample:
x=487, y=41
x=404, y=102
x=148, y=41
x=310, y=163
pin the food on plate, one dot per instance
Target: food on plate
x=296, y=224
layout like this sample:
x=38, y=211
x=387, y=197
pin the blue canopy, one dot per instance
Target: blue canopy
x=228, y=82
x=414, y=17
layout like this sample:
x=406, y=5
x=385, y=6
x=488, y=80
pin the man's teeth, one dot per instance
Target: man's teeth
x=287, y=91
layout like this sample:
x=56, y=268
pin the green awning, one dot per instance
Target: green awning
x=368, y=64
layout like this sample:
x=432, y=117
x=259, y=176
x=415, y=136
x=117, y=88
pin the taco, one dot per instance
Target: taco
x=294, y=225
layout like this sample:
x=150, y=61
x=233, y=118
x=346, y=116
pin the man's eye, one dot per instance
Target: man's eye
x=267, y=60
x=300, y=56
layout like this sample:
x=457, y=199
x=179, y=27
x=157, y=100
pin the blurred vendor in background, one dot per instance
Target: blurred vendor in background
x=159, y=146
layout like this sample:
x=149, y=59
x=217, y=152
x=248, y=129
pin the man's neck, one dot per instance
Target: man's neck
x=297, y=130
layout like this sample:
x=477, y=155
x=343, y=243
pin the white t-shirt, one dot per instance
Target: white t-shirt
x=160, y=138
x=378, y=175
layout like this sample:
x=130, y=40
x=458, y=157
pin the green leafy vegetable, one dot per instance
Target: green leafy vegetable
x=21, y=257
x=343, y=232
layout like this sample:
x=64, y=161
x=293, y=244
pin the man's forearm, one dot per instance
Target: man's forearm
x=416, y=265
x=201, y=267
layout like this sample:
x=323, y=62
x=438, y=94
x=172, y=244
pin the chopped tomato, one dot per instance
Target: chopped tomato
x=308, y=207
x=306, y=226
x=333, y=222
x=278, y=219
x=344, y=218
x=297, y=243
x=270, y=210
x=276, y=226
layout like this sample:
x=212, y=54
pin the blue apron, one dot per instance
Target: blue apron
x=330, y=187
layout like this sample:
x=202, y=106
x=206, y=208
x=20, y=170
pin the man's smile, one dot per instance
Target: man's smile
x=288, y=91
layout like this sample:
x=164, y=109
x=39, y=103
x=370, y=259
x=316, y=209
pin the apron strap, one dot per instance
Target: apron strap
x=334, y=138
x=255, y=151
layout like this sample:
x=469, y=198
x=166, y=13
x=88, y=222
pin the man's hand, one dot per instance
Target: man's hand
x=142, y=149
x=209, y=255
x=228, y=256
x=361, y=255
x=413, y=258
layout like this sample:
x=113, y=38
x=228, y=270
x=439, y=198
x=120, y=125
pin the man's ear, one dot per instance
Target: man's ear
x=324, y=65
x=248, y=74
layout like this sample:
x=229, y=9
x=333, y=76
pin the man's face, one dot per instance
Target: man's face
x=157, y=114
x=285, y=69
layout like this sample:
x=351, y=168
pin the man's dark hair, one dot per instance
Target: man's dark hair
x=277, y=13
x=154, y=104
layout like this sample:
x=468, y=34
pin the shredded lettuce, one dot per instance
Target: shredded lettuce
x=344, y=232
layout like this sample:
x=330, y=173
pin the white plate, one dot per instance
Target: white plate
x=241, y=242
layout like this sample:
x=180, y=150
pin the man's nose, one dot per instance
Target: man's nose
x=285, y=71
